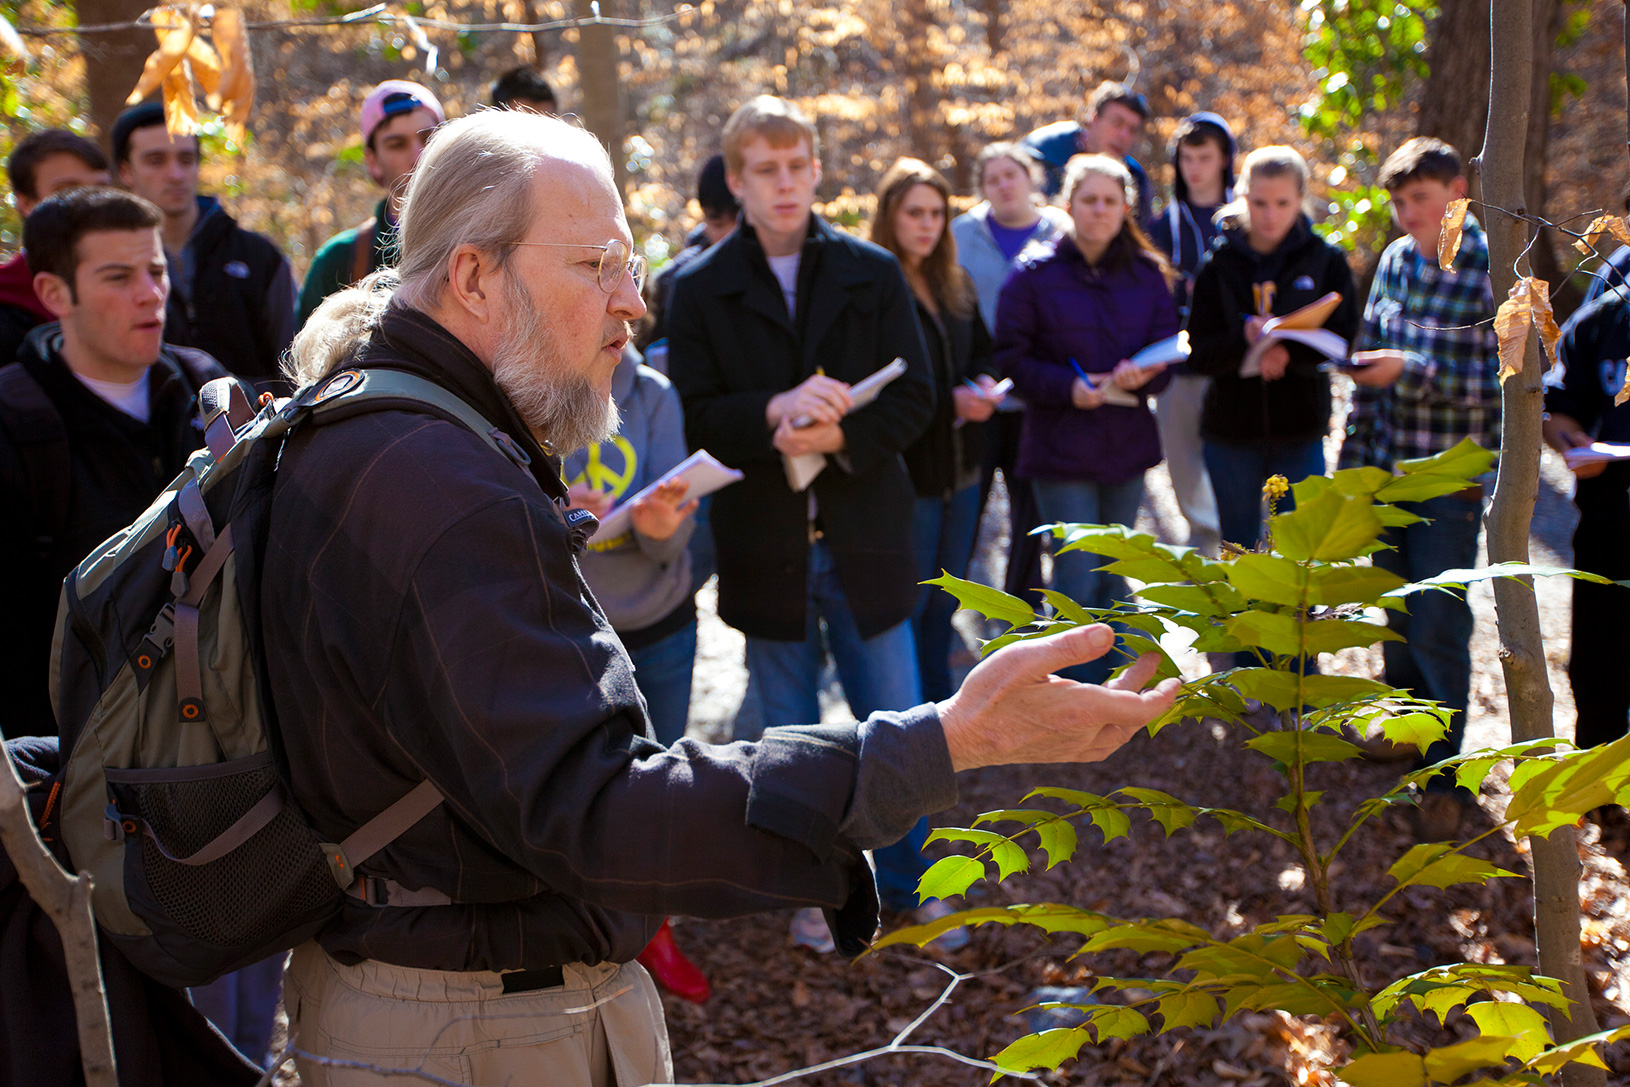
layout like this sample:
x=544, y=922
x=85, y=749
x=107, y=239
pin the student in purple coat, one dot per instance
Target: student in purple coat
x=1070, y=317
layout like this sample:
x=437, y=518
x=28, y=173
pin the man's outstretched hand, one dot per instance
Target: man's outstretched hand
x=1012, y=709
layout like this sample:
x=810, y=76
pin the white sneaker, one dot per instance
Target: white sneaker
x=809, y=930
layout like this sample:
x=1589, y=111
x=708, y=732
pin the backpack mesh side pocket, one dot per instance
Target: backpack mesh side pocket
x=274, y=882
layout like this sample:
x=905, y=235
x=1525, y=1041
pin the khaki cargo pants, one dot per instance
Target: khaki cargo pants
x=602, y=1028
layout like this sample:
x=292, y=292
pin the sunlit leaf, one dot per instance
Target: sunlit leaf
x=1058, y=839
x=1189, y=1008
x=1008, y=856
x=1385, y=1070
x=1312, y=747
x=1217, y=599
x=1430, y=864
x=174, y=27
x=1582, y=1050
x=1420, y=730
x=1268, y=577
x=1171, y=813
x=1524, y=1025
x=1334, y=585
x=1512, y=321
x=1446, y=1064
x=1576, y=783
x=950, y=876
x=1465, y=460
x=1049, y=1049
x=1067, y=608
x=1116, y=1021
x=989, y=602
x=1330, y=528
x=1459, y=579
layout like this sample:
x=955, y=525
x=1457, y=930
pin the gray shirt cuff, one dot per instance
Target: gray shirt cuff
x=904, y=773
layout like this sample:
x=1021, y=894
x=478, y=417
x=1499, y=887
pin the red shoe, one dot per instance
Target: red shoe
x=668, y=965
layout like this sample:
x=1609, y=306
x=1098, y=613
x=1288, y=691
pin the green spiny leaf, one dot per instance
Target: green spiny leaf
x=1067, y=608
x=1220, y=599
x=1446, y=1064
x=949, y=876
x=1430, y=864
x=1188, y=1008
x=1459, y=579
x=989, y=602
x=1524, y=1025
x=1058, y=838
x=1420, y=730
x=1165, y=809
x=1313, y=747
x=1111, y=822
x=1582, y=1050
x=1385, y=1070
x=1330, y=527
x=1116, y=1021
x=1268, y=577
x=1572, y=786
x=1333, y=585
x=1049, y=1049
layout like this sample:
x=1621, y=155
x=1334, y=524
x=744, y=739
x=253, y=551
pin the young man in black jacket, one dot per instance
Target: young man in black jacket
x=97, y=417
x=231, y=289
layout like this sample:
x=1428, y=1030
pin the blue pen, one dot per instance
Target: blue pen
x=1082, y=374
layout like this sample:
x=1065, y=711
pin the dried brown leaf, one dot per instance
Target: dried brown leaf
x=1511, y=324
x=1543, y=317
x=206, y=67
x=180, y=107
x=1624, y=393
x=175, y=27
x=1454, y=221
x=237, y=93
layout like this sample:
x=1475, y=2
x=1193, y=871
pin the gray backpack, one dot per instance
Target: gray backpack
x=173, y=787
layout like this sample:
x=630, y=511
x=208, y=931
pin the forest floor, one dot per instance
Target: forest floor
x=777, y=1007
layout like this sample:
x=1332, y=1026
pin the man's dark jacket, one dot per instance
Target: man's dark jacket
x=731, y=348
x=240, y=306
x=111, y=466
x=1302, y=269
x=424, y=617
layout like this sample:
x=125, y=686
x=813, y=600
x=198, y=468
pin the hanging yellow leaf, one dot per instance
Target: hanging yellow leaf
x=180, y=108
x=1454, y=221
x=1511, y=324
x=1603, y=225
x=237, y=91
x=175, y=28
x=1544, y=319
x=1624, y=393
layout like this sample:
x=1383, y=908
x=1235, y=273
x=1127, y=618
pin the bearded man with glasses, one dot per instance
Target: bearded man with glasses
x=424, y=619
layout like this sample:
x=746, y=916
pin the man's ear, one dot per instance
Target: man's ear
x=472, y=282
x=55, y=293
x=1457, y=186
x=372, y=165
x=124, y=174
x=732, y=182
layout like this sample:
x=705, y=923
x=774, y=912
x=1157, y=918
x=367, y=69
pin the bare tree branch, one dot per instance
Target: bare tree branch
x=67, y=901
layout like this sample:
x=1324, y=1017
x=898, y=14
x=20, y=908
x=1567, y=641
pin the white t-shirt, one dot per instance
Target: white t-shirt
x=786, y=273
x=132, y=399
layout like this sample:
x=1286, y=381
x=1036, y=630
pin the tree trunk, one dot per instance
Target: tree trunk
x=67, y=901
x=922, y=104
x=1522, y=652
x=113, y=62
x=1454, y=102
x=601, y=87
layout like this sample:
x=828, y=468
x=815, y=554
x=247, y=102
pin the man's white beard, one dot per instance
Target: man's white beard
x=563, y=409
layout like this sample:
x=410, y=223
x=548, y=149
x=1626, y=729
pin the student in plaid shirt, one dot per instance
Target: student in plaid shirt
x=1433, y=380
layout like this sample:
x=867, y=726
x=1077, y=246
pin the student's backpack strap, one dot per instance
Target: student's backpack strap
x=40, y=436
x=362, y=248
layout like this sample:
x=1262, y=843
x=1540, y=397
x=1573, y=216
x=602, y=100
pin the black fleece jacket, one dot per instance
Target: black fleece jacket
x=112, y=466
x=1304, y=268
x=424, y=617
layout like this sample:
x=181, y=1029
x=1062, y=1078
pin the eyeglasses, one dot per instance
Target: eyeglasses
x=616, y=261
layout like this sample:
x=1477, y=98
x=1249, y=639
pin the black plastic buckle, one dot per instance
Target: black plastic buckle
x=116, y=827
x=374, y=891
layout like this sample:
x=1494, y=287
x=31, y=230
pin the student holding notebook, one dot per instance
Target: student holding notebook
x=1269, y=263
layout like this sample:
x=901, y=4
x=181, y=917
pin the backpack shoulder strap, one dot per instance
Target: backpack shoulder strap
x=362, y=248
x=353, y=392
x=37, y=430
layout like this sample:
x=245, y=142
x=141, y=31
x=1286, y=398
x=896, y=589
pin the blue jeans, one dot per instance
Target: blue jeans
x=1436, y=660
x=877, y=673
x=1076, y=573
x=703, y=559
x=943, y=529
x=663, y=671
x=1239, y=471
x=243, y=1005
